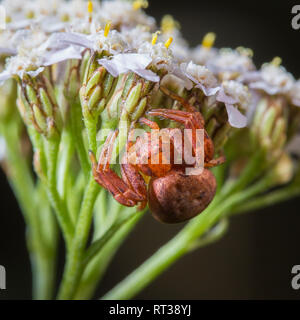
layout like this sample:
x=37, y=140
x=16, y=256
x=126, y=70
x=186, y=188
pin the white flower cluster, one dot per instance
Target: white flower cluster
x=230, y=61
x=42, y=33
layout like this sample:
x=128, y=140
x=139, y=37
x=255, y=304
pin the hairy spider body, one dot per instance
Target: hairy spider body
x=172, y=195
x=177, y=197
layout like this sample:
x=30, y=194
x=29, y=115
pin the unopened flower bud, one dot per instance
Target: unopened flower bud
x=283, y=172
x=269, y=126
x=93, y=94
x=74, y=76
x=216, y=123
x=38, y=107
x=129, y=100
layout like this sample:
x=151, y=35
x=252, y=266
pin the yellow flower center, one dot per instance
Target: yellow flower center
x=168, y=42
x=107, y=29
x=90, y=7
x=168, y=24
x=209, y=40
x=140, y=4
x=276, y=61
x=154, y=37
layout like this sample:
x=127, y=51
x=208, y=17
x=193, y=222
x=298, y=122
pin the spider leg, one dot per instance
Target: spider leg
x=215, y=162
x=105, y=176
x=134, y=180
x=174, y=96
x=130, y=173
x=106, y=151
x=184, y=103
x=94, y=169
x=189, y=120
x=186, y=118
x=151, y=124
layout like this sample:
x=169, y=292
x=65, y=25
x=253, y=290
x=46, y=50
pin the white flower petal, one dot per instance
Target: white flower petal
x=72, y=38
x=36, y=72
x=8, y=51
x=251, y=76
x=113, y=68
x=129, y=62
x=21, y=24
x=235, y=117
x=208, y=91
x=148, y=75
x=179, y=73
x=132, y=60
x=61, y=55
x=296, y=102
x=5, y=75
x=52, y=24
x=199, y=75
x=223, y=97
x=260, y=85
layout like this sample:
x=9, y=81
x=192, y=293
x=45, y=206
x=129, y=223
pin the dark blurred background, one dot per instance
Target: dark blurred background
x=255, y=258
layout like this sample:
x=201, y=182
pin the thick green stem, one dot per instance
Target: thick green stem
x=215, y=234
x=43, y=259
x=43, y=269
x=98, y=266
x=64, y=163
x=96, y=247
x=91, y=128
x=55, y=199
x=74, y=266
x=76, y=125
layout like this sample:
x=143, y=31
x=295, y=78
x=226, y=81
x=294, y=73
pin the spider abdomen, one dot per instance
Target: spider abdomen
x=177, y=197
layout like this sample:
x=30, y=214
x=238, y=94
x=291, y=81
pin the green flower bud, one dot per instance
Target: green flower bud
x=283, y=172
x=133, y=98
x=38, y=107
x=139, y=110
x=269, y=126
x=216, y=122
x=74, y=76
x=95, y=97
x=40, y=119
x=129, y=100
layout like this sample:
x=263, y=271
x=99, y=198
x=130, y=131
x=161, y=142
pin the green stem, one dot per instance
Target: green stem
x=55, y=199
x=64, y=163
x=43, y=260
x=91, y=129
x=215, y=234
x=74, y=267
x=43, y=269
x=97, y=267
x=96, y=247
x=76, y=127
x=252, y=170
x=268, y=200
x=100, y=214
